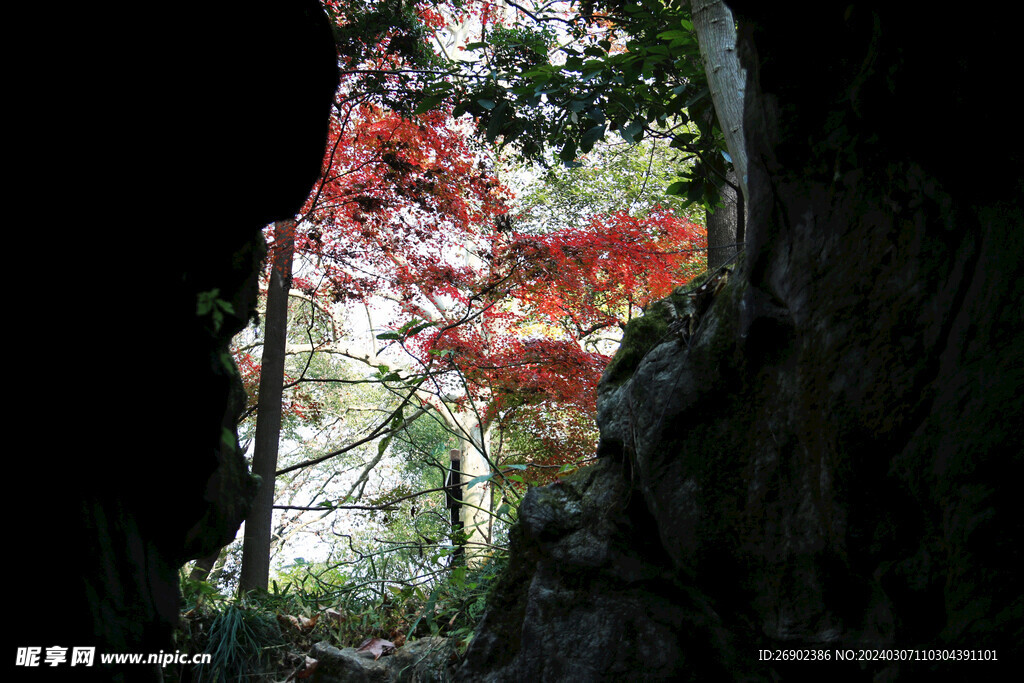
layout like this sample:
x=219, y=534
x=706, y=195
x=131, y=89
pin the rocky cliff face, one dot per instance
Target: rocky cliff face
x=822, y=448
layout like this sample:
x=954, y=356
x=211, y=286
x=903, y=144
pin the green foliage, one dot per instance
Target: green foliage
x=262, y=637
x=424, y=446
x=349, y=612
x=613, y=177
x=241, y=641
x=519, y=47
x=631, y=68
x=199, y=594
x=456, y=606
x=210, y=304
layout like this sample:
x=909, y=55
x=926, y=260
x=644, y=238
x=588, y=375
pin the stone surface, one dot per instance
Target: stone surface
x=828, y=455
x=420, y=661
x=591, y=594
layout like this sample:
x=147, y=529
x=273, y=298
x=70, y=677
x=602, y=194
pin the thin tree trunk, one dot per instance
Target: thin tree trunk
x=453, y=497
x=256, y=544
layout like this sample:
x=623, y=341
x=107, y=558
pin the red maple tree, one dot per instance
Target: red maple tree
x=410, y=211
x=500, y=328
x=557, y=302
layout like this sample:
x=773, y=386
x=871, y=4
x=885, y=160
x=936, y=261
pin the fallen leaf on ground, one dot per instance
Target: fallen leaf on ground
x=287, y=620
x=308, y=667
x=376, y=647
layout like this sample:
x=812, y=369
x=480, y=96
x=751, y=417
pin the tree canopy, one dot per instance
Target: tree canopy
x=415, y=260
x=564, y=78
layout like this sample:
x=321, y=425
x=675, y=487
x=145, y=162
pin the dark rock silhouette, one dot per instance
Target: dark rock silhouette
x=828, y=457
x=156, y=143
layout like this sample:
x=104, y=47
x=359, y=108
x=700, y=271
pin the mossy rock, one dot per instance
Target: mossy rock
x=653, y=327
x=640, y=336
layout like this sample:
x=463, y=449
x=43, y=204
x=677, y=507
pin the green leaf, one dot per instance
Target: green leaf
x=486, y=104
x=416, y=329
x=676, y=188
x=429, y=103
x=458, y=576
x=700, y=94
x=205, y=301
x=539, y=73
x=682, y=140
x=577, y=106
x=427, y=608
x=497, y=122
x=674, y=35
x=573, y=63
x=633, y=131
x=568, y=153
x=476, y=480
x=592, y=136
x=389, y=335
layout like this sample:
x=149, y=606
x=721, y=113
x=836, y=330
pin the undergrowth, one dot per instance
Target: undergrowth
x=267, y=637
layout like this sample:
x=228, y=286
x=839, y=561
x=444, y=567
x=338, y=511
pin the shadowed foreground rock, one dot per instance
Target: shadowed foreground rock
x=829, y=456
x=155, y=144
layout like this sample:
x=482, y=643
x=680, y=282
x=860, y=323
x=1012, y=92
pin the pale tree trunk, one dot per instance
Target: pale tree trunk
x=474, y=441
x=476, y=501
x=256, y=543
x=716, y=37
